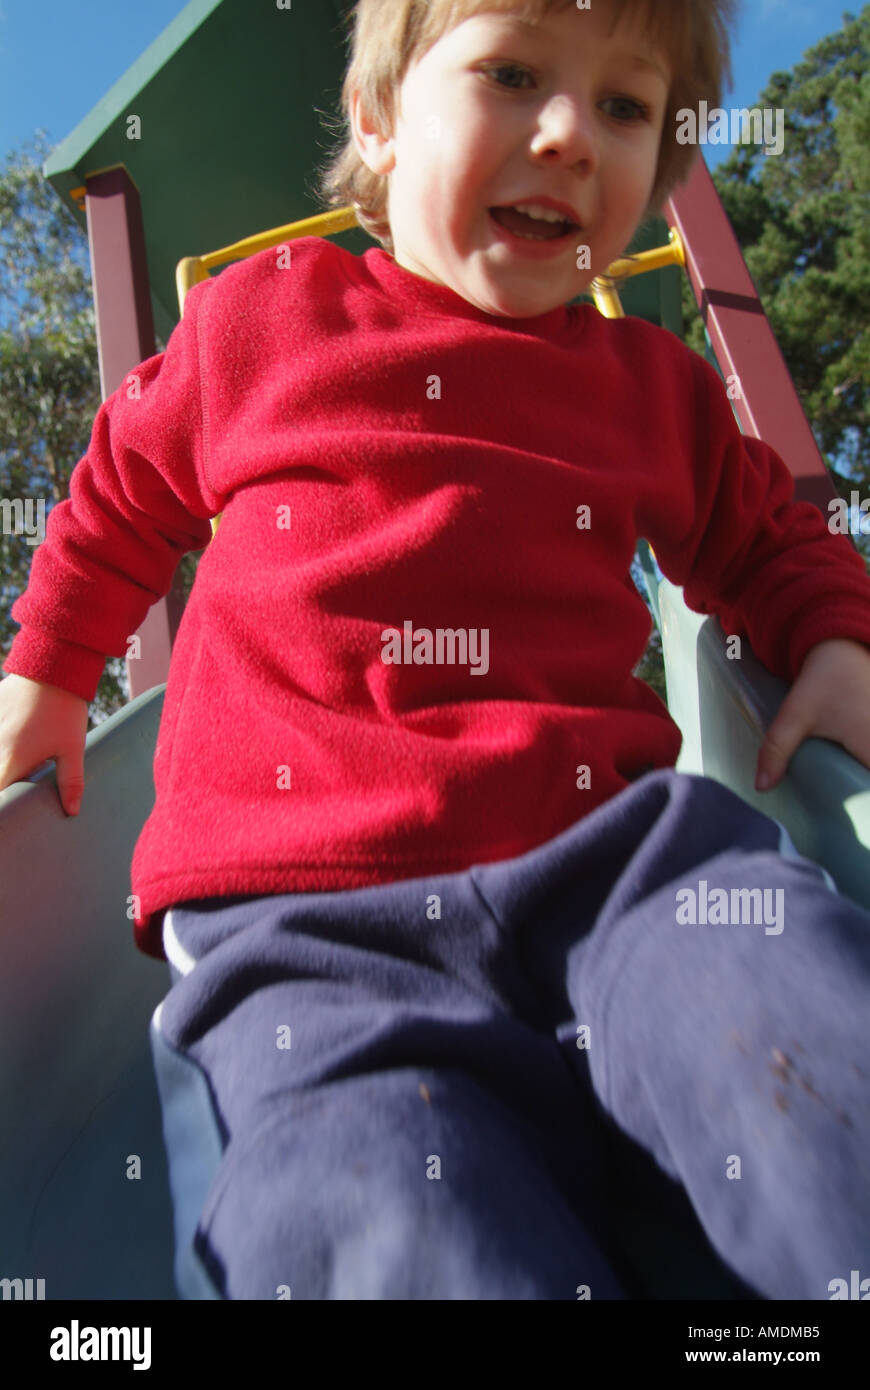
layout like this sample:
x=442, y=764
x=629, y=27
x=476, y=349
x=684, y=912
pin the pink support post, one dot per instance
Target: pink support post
x=125, y=337
x=768, y=406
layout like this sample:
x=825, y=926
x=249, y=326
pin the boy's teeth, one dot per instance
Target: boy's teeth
x=535, y=210
x=532, y=221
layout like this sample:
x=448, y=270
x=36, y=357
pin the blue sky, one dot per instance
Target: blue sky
x=59, y=57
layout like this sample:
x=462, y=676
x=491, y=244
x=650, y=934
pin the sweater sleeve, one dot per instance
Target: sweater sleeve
x=766, y=565
x=138, y=500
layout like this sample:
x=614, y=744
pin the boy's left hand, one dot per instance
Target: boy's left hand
x=830, y=699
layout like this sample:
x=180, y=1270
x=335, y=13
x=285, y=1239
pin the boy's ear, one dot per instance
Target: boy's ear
x=374, y=149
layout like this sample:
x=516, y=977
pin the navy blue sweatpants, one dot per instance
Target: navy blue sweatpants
x=402, y=1091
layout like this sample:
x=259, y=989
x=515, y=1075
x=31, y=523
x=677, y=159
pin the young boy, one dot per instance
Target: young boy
x=421, y=896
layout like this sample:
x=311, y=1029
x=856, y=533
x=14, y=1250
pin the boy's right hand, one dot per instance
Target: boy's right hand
x=38, y=722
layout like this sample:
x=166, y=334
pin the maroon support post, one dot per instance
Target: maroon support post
x=125, y=337
x=768, y=405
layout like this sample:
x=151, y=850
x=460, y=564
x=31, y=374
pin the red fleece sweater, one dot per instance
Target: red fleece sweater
x=391, y=460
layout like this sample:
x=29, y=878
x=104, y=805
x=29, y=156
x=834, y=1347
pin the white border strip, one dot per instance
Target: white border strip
x=175, y=952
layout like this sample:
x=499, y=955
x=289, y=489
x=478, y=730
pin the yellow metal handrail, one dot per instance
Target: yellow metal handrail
x=607, y=300
x=192, y=270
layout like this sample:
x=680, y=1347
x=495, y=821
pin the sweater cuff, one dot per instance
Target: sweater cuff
x=852, y=623
x=40, y=656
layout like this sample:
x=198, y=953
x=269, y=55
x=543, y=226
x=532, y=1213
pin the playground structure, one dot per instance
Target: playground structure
x=77, y=1090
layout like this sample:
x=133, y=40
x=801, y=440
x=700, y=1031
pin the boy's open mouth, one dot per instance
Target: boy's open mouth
x=534, y=228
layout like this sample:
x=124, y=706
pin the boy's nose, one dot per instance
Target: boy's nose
x=565, y=126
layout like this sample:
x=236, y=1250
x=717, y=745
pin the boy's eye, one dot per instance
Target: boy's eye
x=637, y=111
x=496, y=68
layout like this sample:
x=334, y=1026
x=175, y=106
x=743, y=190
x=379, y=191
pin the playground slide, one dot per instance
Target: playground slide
x=78, y=1100
x=84, y=1196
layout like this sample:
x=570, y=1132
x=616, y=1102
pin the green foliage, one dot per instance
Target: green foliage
x=651, y=667
x=802, y=220
x=49, y=372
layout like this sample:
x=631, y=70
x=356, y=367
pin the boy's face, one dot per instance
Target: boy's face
x=498, y=113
